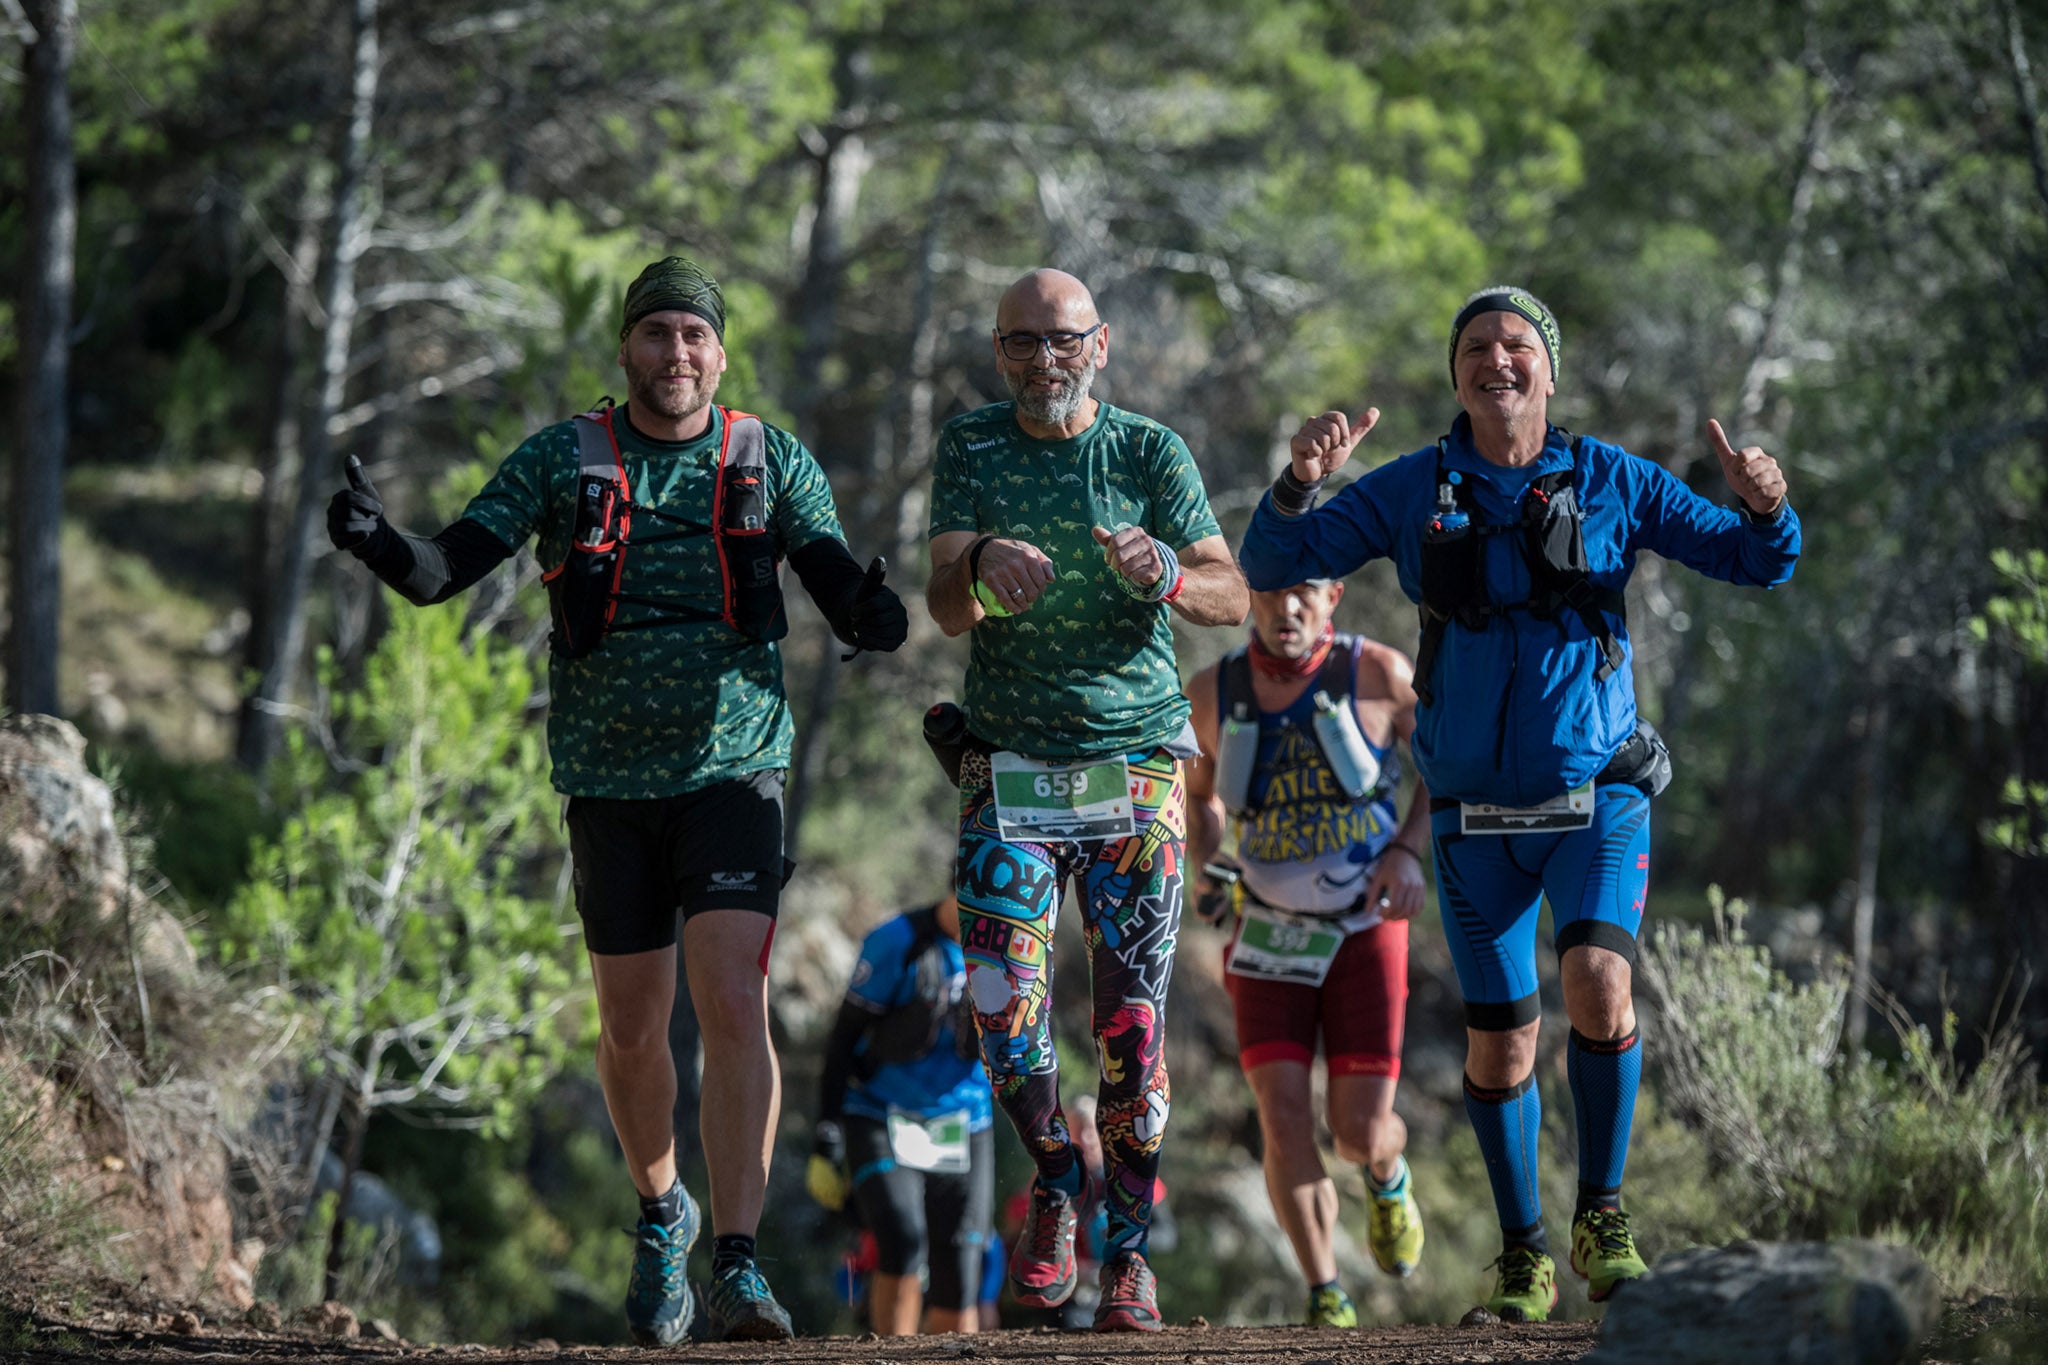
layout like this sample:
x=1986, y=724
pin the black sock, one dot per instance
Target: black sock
x=667, y=1210
x=729, y=1249
x=1592, y=1197
x=1533, y=1237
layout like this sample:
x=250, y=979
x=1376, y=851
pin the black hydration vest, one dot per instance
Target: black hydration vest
x=938, y=996
x=1552, y=537
x=583, y=590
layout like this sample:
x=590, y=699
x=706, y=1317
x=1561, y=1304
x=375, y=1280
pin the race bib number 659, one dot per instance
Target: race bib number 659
x=1040, y=801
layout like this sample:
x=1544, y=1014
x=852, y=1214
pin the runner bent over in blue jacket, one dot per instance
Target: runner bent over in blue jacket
x=1517, y=539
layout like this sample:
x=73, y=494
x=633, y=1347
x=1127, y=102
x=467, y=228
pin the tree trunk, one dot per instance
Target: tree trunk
x=345, y=237
x=281, y=460
x=44, y=438
x=1870, y=792
x=351, y=1157
x=843, y=163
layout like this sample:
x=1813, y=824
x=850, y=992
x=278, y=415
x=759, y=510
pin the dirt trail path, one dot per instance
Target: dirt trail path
x=1549, y=1344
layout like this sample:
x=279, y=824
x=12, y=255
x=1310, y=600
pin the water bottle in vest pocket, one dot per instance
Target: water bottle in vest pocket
x=583, y=588
x=755, y=597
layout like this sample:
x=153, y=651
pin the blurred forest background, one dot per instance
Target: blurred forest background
x=401, y=230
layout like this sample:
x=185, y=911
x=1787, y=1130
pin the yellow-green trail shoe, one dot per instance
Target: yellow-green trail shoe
x=1604, y=1252
x=1396, y=1231
x=1527, y=1288
x=1330, y=1306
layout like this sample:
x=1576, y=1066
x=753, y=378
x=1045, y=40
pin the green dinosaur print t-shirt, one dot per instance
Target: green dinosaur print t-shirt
x=1088, y=669
x=674, y=708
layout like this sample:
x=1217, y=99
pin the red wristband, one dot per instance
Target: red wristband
x=1180, y=583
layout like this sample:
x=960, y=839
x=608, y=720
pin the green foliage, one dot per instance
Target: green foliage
x=2018, y=618
x=1949, y=1157
x=393, y=906
x=203, y=819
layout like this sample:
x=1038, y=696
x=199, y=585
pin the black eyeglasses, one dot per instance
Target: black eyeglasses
x=1026, y=345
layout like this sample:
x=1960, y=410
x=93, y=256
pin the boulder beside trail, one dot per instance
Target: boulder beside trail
x=1800, y=1303
x=110, y=1030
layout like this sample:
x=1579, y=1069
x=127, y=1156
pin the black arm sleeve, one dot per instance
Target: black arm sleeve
x=831, y=577
x=846, y=1033
x=426, y=570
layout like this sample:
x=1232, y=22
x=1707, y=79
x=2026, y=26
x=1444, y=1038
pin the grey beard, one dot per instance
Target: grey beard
x=1053, y=410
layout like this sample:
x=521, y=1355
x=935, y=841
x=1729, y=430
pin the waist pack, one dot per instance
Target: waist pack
x=584, y=594
x=1643, y=761
x=945, y=730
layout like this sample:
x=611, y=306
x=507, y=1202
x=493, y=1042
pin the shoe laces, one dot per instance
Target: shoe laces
x=1049, y=1217
x=659, y=1263
x=1129, y=1279
x=1518, y=1267
x=1610, y=1232
x=743, y=1283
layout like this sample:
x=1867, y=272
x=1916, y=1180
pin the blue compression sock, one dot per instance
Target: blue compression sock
x=1507, y=1123
x=1604, y=1076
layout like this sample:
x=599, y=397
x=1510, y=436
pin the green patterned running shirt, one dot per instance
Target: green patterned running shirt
x=674, y=708
x=1088, y=669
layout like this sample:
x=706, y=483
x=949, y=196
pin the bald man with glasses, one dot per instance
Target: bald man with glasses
x=1063, y=532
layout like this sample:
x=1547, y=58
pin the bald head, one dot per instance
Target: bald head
x=1046, y=300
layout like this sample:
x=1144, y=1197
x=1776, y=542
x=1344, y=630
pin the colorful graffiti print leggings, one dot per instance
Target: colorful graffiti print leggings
x=1130, y=893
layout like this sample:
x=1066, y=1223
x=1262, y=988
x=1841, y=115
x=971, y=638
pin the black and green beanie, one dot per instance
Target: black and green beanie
x=674, y=282
x=1509, y=298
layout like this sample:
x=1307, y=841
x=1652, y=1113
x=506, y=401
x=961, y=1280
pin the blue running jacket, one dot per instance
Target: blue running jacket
x=1519, y=716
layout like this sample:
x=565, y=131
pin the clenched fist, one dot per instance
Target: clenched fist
x=1133, y=553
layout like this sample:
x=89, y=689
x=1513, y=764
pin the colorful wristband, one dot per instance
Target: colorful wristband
x=1168, y=581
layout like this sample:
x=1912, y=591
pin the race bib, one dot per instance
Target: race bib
x=1275, y=946
x=938, y=1145
x=1038, y=801
x=1567, y=810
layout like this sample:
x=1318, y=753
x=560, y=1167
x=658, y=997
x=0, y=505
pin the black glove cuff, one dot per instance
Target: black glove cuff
x=1291, y=497
x=1762, y=520
x=383, y=549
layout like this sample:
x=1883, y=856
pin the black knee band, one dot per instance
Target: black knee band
x=1506, y=1096
x=1597, y=933
x=1494, y=1017
x=1607, y=1047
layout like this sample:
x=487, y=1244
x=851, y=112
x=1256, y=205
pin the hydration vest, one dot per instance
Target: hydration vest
x=1553, y=542
x=1342, y=744
x=938, y=996
x=583, y=590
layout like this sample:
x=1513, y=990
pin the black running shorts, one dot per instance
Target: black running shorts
x=638, y=864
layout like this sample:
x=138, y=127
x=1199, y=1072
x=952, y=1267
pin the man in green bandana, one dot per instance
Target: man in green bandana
x=661, y=525
x=1063, y=532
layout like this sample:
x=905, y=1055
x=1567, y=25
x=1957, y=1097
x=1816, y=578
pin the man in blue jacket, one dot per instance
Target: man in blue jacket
x=1517, y=540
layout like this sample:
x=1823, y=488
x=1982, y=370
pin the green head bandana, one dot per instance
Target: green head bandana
x=674, y=282
x=1509, y=298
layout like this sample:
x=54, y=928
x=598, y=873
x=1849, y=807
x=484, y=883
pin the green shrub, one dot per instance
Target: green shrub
x=1950, y=1158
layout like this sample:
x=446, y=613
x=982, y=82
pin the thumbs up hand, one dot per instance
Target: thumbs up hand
x=356, y=512
x=877, y=619
x=1755, y=476
x=1326, y=441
